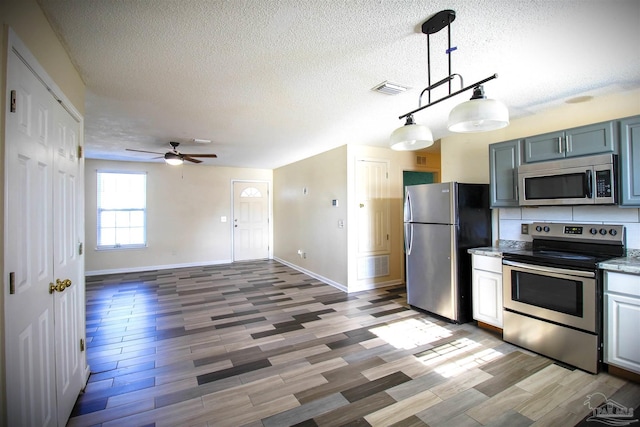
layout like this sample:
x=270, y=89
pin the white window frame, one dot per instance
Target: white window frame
x=99, y=210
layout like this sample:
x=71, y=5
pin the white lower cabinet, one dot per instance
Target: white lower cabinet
x=487, y=289
x=622, y=320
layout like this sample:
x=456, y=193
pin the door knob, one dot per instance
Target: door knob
x=59, y=286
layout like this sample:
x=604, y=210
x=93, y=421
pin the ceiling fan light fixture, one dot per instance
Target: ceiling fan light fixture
x=479, y=114
x=411, y=137
x=173, y=159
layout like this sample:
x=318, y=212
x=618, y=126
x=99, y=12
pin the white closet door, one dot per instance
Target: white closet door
x=29, y=313
x=43, y=223
x=66, y=261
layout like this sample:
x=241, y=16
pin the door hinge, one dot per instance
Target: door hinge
x=80, y=249
x=79, y=151
x=81, y=344
x=12, y=107
x=12, y=283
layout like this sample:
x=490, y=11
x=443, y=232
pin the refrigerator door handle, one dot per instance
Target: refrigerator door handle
x=408, y=238
x=408, y=214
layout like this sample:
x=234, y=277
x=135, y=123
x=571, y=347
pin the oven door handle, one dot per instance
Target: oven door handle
x=550, y=269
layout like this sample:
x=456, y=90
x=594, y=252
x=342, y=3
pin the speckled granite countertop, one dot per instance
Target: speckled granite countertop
x=503, y=245
x=623, y=265
x=487, y=251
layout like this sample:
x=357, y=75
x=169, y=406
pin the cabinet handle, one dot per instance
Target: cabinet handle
x=560, y=144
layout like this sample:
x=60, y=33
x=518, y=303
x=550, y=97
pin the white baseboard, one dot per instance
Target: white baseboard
x=312, y=274
x=370, y=286
x=155, y=267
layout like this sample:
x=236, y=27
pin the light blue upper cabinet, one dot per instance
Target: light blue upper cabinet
x=630, y=162
x=548, y=146
x=581, y=141
x=504, y=159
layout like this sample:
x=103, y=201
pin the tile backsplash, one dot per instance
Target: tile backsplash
x=510, y=220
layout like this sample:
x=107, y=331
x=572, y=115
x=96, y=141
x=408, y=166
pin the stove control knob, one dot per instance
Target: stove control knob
x=613, y=232
x=603, y=231
x=538, y=228
x=546, y=228
x=593, y=231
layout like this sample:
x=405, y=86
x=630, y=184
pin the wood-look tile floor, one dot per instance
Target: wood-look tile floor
x=261, y=344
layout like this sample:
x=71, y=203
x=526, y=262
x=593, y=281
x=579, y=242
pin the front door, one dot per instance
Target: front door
x=42, y=325
x=250, y=220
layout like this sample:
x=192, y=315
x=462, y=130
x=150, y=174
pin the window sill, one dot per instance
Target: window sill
x=120, y=248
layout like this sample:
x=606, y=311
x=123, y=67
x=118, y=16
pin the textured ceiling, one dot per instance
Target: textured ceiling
x=274, y=81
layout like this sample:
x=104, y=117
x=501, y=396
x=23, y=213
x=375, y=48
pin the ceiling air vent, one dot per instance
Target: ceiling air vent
x=389, y=88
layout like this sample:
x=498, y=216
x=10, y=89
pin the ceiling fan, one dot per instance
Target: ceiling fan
x=174, y=157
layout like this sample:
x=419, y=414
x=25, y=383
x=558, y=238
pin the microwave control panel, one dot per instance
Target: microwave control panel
x=603, y=183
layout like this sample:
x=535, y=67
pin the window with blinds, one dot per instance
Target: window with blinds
x=122, y=209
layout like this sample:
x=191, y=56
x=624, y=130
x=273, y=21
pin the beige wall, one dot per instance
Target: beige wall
x=184, y=209
x=465, y=157
x=31, y=26
x=310, y=223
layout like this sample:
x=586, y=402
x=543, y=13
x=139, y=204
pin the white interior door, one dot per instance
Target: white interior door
x=29, y=314
x=250, y=220
x=66, y=266
x=372, y=192
x=43, y=223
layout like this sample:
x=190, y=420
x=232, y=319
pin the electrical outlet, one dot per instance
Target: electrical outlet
x=524, y=228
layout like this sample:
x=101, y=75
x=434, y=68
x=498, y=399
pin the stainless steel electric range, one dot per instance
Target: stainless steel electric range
x=553, y=291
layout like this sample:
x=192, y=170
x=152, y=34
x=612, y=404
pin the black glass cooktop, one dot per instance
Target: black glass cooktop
x=557, y=258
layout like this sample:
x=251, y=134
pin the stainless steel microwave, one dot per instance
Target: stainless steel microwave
x=589, y=180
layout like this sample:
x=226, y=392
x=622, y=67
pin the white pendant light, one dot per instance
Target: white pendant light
x=411, y=136
x=476, y=115
x=479, y=114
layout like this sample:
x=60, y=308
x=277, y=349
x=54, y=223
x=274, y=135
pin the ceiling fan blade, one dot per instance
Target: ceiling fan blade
x=190, y=159
x=143, y=151
x=209, y=156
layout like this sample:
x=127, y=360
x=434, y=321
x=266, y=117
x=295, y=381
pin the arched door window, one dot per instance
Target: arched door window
x=251, y=192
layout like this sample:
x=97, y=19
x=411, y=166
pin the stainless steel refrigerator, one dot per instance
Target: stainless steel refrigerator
x=442, y=221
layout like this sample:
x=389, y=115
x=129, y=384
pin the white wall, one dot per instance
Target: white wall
x=184, y=209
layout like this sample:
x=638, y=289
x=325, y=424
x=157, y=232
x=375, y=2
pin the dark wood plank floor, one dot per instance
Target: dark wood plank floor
x=260, y=344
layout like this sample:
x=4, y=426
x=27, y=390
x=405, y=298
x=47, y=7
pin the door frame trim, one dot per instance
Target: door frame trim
x=269, y=209
x=16, y=45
